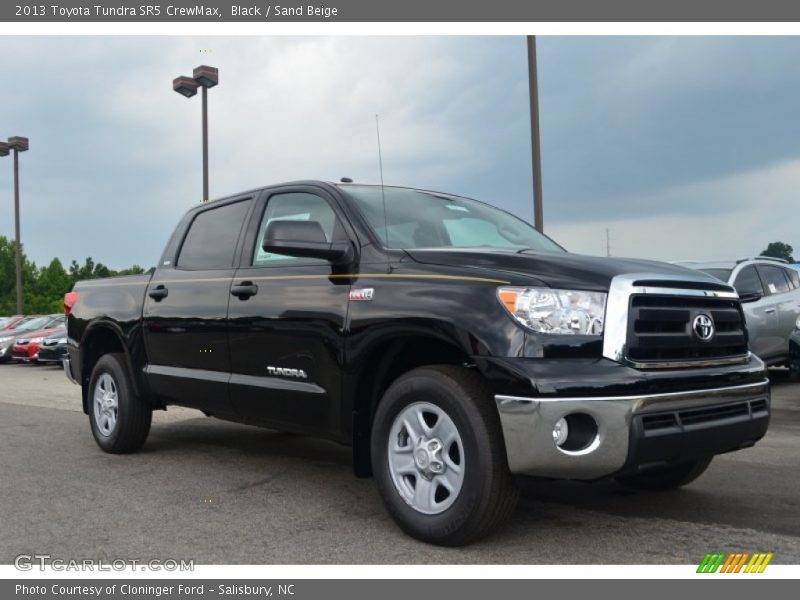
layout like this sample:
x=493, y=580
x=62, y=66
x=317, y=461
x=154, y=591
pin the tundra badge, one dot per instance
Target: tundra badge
x=299, y=373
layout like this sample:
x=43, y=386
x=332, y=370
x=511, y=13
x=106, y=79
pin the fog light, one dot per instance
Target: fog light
x=560, y=432
x=576, y=432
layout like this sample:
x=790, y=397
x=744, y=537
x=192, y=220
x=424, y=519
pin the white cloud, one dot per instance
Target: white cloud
x=290, y=108
x=286, y=108
x=754, y=208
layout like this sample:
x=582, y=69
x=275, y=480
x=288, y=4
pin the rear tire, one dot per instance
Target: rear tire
x=667, y=478
x=439, y=458
x=120, y=420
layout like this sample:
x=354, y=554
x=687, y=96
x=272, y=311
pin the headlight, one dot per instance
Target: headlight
x=563, y=312
x=61, y=340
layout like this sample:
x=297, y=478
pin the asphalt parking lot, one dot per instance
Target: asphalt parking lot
x=222, y=493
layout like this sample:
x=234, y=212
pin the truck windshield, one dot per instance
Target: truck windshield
x=420, y=219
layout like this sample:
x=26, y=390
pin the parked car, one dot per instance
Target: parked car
x=8, y=323
x=449, y=343
x=28, y=325
x=26, y=347
x=794, y=353
x=54, y=347
x=770, y=292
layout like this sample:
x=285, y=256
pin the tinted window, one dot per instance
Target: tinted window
x=212, y=237
x=775, y=279
x=296, y=206
x=748, y=282
x=794, y=277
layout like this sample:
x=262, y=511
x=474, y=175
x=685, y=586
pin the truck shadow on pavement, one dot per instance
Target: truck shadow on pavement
x=731, y=493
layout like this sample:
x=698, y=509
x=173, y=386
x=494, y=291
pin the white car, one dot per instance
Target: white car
x=770, y=292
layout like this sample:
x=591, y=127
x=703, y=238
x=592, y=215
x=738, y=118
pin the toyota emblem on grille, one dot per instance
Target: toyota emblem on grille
x=703, y=327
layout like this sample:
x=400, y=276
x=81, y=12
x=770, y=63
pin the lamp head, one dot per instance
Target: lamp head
x=185, y=86
x=206, y=76
x=4, y=149
x=18, y=143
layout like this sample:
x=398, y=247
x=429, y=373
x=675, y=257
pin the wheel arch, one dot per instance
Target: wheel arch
x=387, y=361
x=99, y=339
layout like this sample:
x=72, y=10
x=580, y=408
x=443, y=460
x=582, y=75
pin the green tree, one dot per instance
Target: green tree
x=89, y=270
x=52, y=282
x=8, y=277
x=134, y=270
x=779, y=250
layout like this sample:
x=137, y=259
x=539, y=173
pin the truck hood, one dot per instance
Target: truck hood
x=554, y=269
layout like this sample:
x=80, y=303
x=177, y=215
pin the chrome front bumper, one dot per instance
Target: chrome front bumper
x=528, y=425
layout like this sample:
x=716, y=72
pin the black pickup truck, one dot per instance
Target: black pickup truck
x=449, y=343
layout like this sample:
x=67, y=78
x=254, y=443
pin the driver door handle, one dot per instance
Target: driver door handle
x=158, y=293
x=244, y=290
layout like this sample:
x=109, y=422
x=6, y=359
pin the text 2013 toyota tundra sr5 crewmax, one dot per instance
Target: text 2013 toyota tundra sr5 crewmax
x=449, y=343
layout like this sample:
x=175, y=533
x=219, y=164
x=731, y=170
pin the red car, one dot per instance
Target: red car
x=12, y=322
x=27, y=348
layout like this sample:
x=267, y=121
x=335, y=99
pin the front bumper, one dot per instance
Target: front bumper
x=634, y=432
x=52, y=353
x=26, y=352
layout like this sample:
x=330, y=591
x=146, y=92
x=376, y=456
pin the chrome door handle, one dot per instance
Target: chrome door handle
x=769, y=310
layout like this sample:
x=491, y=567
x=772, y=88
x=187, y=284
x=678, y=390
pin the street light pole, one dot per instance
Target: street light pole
x=16, y=231
x=4, y=150
x=205, y=144
x=18, y=144
x=203, y=77
x=536, y=151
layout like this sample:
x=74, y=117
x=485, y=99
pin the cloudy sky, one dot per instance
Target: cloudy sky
x=682, y=147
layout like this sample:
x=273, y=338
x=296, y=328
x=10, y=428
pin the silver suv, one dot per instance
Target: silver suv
x=770, y=292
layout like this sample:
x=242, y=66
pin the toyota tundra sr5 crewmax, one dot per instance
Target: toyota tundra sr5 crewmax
x=449, y=343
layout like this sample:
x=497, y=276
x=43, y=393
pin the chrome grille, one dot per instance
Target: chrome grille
x=649, y=322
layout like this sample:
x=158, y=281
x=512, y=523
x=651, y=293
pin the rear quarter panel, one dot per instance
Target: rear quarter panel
x=114, y=304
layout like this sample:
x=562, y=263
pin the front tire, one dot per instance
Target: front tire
x=120, y=419
x=667, y=478
x=439, y=458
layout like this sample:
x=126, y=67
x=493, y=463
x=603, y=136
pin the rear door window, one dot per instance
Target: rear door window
x=213, y=236
x=775, y=279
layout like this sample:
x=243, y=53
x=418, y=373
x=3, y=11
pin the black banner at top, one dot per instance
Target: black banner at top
x=399, y=10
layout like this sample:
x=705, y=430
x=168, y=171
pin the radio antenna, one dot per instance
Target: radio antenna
x=380, y=166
